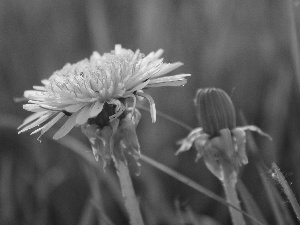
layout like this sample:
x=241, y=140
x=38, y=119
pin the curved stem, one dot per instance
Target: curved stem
x=128, y=193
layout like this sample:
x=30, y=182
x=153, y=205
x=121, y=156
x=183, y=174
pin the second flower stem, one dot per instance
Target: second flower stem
x=229, y=183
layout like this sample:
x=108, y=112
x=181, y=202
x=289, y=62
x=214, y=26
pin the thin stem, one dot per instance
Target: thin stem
x=167, y=117
x=195, y=186
x=128, y=193
x=229, y=184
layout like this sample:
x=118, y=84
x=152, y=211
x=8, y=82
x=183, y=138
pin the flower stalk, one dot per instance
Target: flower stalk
x=229, y=184
x=128, y=193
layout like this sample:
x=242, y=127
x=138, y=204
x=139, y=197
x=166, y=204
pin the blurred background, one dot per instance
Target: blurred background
x=248, y=48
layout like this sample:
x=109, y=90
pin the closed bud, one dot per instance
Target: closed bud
x=215, y=111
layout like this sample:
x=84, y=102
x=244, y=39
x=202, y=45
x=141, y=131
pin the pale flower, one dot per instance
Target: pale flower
x=102, y=84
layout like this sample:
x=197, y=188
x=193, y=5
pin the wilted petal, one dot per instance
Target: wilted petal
x=152, y=105
x=255, y=129
x=187, y=142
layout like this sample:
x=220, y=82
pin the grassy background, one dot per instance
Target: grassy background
x=248, y=48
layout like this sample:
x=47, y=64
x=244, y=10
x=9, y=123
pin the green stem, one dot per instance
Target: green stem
x=229, y=183
x=128, y=193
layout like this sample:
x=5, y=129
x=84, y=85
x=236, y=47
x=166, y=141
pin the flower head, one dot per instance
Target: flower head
x=215, y=111
x=218, y=139
x=97, y=90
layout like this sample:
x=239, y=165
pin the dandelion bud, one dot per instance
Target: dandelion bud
x=215, y=111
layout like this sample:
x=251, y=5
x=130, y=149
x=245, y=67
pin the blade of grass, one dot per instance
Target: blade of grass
x=192, y=184
x=167, y=117
x=274, y=199
x=287, y=190
x=249, y=203
x=280, y=212
x=294, y=46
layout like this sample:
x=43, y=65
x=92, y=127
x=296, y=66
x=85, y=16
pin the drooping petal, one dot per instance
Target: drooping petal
x=152, y=105
x=119, y=111
x=255, y=129
x=187, y=142
x=67, y=127
x=199, y=144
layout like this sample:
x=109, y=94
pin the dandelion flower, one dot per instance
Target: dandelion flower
x=102, y=85
x=218, y=139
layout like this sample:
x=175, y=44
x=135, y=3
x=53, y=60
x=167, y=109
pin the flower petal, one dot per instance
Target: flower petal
x=139, y=86
x=177, y=80
x=152, y=105
x=48, y=125
x=255, y=129
x=40, y=88
x=74, y=108
x=31, y=118
x=51, y=123
x=33, y=108
x=66, y=128
x=168, y=68
x=39, y=121
x=96, y=108
x=120, y=108
x=83, y=115
x=187, y=142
